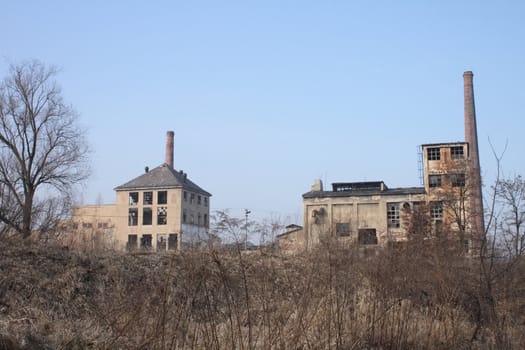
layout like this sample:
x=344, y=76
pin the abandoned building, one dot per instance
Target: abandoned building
x=160, y=210
x=371, y=213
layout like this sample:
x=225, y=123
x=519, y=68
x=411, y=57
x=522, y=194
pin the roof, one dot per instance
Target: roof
x=366, y=192
x=444, y=144
x=162, y=176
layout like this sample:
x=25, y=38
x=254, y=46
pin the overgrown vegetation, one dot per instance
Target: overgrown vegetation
x=422, y=296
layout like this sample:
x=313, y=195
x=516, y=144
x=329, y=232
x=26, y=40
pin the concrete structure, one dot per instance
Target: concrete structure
x=370, y=213
x=162, y=209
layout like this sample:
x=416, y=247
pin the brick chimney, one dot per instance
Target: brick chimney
x=477, y=224
x=169, y=148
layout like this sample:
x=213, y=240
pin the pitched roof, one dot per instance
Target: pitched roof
x=162, y=176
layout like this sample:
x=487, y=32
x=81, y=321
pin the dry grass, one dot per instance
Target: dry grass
x=333, y=298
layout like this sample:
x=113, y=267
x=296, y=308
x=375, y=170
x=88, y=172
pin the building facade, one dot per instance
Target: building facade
x=160, y=210
x=370, y=213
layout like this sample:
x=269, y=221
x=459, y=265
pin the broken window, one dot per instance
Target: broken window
x=146, y=216
x=132, y=242
x=172, y=241
x=436, y=211
x=342, y=229
x=434, y=153
x=393, y=215
x=457, y=180
x=205, y=201
x=162, y=213
x=457, y=152
x=162, y=242
x=145, y=242
x=185, y=196
x=148, y=198
x=162, y=197
x=133, y=217
x=434, y=181
x=367, y=236
x=133, y=198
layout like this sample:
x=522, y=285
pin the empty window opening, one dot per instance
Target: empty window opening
x=133, y=198
x=192, y=219
x=184, y=217
x=457, y=180
x=342, y=229
x=162, y=242
x=146, y=216
x=205, y=201
x=393, y=215
x=173, y=241
x=75, y=226
x=185, y=196
x=434, y=181
x=205, y=223
x=102, y=225
x=148, y=198
x=199, y=200
x=434, y=153
x=132, y=242
x=457, y=152
x=199, y=219
x=162, y=197
x=367, y=236
x=192, y=198
x=133, y=217
x=87, y=225
x=162, y=215
x=145, y=242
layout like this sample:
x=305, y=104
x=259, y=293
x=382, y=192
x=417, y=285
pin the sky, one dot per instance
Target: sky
x=267, y=96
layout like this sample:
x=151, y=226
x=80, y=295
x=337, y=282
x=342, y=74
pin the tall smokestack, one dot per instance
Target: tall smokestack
x=474, y=170
x=169, y=148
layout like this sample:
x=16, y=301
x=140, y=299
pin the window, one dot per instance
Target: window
x=367, y=236
x=75, y=226
x=457, y=180
x=162, y=213
x=205, y=223
x=133, y=217
x=162, y=242
x=434, y=153
x=132, y=242
x=199, y=200
x=87, y=225
x=102, y=225
x=148, y=198
x=185, y=196
x=146, y=216
x=192, y=198
x=192, y=219
x=457, y=152
x=205, y=201
x=392, y=215
x=133, y=198
x=199, y=219
x=436, y=211
x=342, y=229
x=172, y=241
x=145, y=242
x=184, y=216
x=162, y=197
x=434, y=181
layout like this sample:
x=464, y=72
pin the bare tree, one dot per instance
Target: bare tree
x=511, y=195
x=43, y=152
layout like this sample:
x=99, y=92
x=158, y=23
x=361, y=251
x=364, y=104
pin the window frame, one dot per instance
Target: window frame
x=393, y=215
x=147, y=216
x=434, y=153
x=164, y=197
x=435, y=184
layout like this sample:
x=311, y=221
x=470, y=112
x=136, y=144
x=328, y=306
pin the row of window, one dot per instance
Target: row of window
x=89, y=225
x=456, y=180
x=393, y=217
x=456, y=152
x=164, y=242
x=147, y=197
x=147, y=216
x=202, y=219
x=364, y=235
x=191, y=197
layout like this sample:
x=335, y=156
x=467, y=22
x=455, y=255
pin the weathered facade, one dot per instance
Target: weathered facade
x=162, y=209
x=370, y=213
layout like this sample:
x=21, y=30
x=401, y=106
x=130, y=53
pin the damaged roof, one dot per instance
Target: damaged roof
x=162, y=176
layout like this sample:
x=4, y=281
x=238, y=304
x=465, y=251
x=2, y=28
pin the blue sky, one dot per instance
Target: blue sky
x=266, y=96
